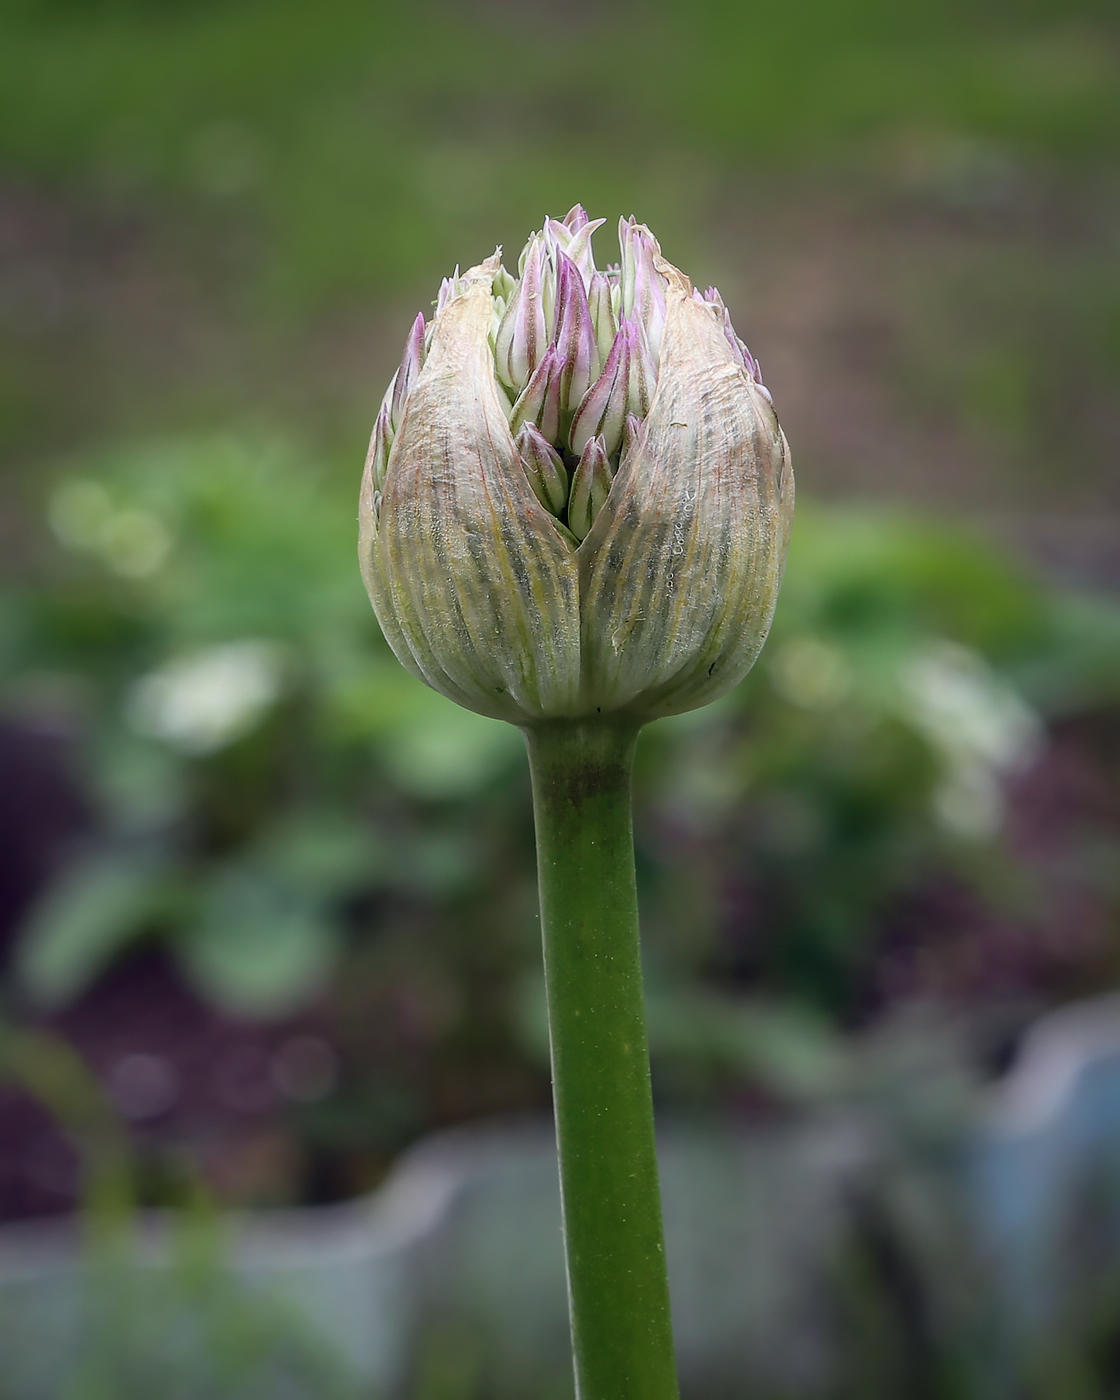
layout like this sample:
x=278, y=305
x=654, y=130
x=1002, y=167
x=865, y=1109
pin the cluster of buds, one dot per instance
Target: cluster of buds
x=577, y=350
x=577, y=496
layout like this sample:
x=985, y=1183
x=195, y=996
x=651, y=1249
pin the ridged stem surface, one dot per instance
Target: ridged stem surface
x=617, y=1283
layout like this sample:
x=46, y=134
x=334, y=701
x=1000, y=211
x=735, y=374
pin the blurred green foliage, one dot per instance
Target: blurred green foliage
x=282, y=806
x=244, y=721
x=277, y=803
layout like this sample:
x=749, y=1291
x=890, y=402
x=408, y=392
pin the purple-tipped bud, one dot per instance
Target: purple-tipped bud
x=577, y=246
x=604, y=321
x=580, y=251
x=643, y=287
x=544, y=467
x=591, y=485
x=541, y=248
x=642, y=379
x=575, y=336
x=539, y=401
x=410, y=367
x=632, y=433
x=380, y=442
x=576, y=218
x=523, y=334
x=606, y=404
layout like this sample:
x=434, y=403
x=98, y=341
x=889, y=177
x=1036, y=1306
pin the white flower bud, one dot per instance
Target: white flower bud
x=543, y=541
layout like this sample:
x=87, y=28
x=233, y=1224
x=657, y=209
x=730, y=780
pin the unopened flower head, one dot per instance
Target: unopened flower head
x=577, y=496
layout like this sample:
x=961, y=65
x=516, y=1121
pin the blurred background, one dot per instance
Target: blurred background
x=267, y=909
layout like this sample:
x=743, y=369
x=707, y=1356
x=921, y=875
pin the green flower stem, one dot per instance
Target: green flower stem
x=617, y=1284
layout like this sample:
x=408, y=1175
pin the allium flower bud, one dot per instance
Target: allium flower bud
x=591, y=485
x=577, y=496
x=544, y=467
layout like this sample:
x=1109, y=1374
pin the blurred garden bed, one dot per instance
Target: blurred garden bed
x=280, y=897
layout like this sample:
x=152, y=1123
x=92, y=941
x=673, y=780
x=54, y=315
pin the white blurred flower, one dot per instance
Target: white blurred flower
x=982, y=729
x=202, y=702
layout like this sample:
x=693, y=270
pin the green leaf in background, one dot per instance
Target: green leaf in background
x=322, y=853
x=259, y=947
x=86, y=917
x=440, y=751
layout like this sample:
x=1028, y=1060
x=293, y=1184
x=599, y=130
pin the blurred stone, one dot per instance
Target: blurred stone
x=931, y=1228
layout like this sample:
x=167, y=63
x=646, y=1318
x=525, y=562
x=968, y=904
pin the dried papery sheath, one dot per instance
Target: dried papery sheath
x=738, y=349
x=680, y=572
x=577, y=496
x=475, y=588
